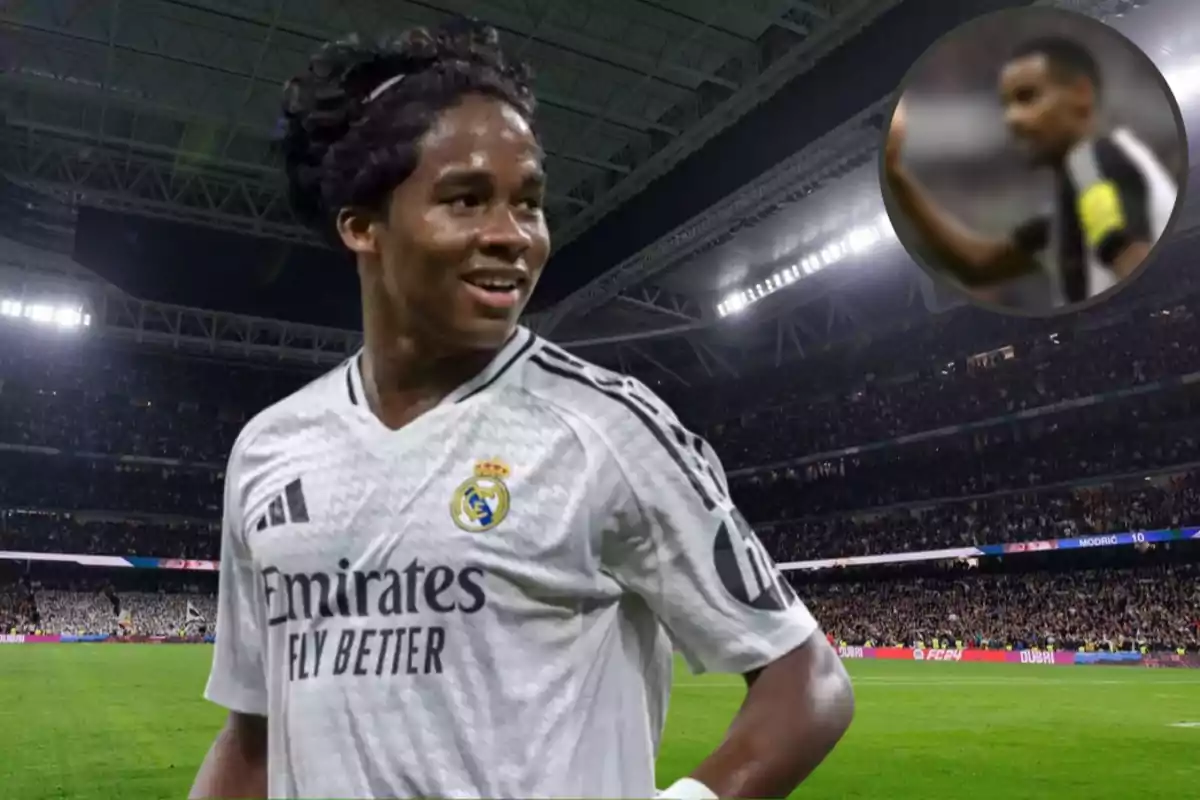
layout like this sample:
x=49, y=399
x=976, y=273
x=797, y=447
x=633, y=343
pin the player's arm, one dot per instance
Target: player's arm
x=689, y=554
x=236, y=764
x=811, y=684
x=1113, y=206
x=971, y=257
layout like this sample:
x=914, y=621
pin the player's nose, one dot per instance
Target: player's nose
x=504, y=235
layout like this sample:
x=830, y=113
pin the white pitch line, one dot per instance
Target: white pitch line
x=961, y=682
x=867, y=680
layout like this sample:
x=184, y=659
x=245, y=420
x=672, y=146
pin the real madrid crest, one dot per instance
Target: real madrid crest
x=481, y=503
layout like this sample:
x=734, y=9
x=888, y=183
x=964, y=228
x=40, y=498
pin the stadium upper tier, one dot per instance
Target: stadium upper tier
x=84, y=397
x=1003, y=406
x=1144, y=433
x=831, y=507
x=1020, y=375
x=1131, y=503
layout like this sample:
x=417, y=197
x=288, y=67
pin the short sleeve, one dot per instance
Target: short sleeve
x=690, y=555
x=1032, y=236
x=238, y=677
x=1113, y=199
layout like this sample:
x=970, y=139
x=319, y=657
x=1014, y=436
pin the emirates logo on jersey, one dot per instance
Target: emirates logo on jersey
x=746, y=570
x=403, y=617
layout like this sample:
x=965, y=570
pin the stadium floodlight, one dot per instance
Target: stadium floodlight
x=48, y=314
x=857, y=240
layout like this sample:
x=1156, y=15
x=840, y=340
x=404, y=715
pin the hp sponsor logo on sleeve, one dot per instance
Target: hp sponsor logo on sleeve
x=745, y=569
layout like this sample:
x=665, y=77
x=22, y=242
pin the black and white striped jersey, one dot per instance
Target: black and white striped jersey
x=1111, y=191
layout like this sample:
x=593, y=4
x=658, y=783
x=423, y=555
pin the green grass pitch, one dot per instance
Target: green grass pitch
x=101, y=722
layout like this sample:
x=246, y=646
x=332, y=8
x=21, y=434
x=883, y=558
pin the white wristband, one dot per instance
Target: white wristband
x=687, y=789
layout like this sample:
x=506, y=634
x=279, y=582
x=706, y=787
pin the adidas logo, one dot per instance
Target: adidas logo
x=284, y=508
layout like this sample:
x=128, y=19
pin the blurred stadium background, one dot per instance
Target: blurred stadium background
x=941, y=483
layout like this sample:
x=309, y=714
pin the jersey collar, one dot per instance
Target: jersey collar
x=520, y=344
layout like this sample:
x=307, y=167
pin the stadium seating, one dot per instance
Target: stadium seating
x=56, y=599
x=968, y=430
x=1107, y=609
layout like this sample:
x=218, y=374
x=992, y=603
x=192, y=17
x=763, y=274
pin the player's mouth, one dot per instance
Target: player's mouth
x=500, y=288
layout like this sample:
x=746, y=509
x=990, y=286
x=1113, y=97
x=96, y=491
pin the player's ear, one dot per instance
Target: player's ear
x=358, y=231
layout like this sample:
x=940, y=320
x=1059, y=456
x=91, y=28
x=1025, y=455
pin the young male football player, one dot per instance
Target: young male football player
x=455, y=566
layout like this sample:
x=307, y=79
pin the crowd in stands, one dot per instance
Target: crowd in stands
x=56, y=482
x=18, y=609
x=156, y=406
x=1034, y=375
x=1157, y=607
x=1089, y=348
x=1137, y=504
x=84, y=613
x=1142, y=434
x=48, y=599
x=1137, y=436
x=879, y=480
x=59, y=532
x=120, y=452
x=1142, y=602
x=827, y=507
x=105, y=401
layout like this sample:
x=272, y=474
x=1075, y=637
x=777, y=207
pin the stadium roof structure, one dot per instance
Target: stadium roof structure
x=192, y=86
x=673, y=128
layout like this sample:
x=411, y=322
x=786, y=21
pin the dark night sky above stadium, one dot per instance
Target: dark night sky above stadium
x=174, y=263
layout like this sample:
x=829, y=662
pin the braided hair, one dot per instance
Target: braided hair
x=353, y=121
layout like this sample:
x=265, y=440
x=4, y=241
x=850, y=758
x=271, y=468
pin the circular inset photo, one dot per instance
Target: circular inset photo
x=1033, y=161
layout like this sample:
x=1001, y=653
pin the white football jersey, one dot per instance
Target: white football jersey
x=483, y=603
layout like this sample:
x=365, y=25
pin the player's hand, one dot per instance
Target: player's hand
x=895, y=137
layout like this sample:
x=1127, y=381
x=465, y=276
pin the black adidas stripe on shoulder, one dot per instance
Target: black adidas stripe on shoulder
x=525, y=348
x=288, y=506
x=351, y=364
x=557, y=353
x=629, y=387
x=646, y=412
x=698, y=447
x=603, y=381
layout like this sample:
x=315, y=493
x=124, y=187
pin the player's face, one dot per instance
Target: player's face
x=466, y=239
x=1044, y=114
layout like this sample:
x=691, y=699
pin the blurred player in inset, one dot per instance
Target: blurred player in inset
x=1113, y=199
x=456, y=565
